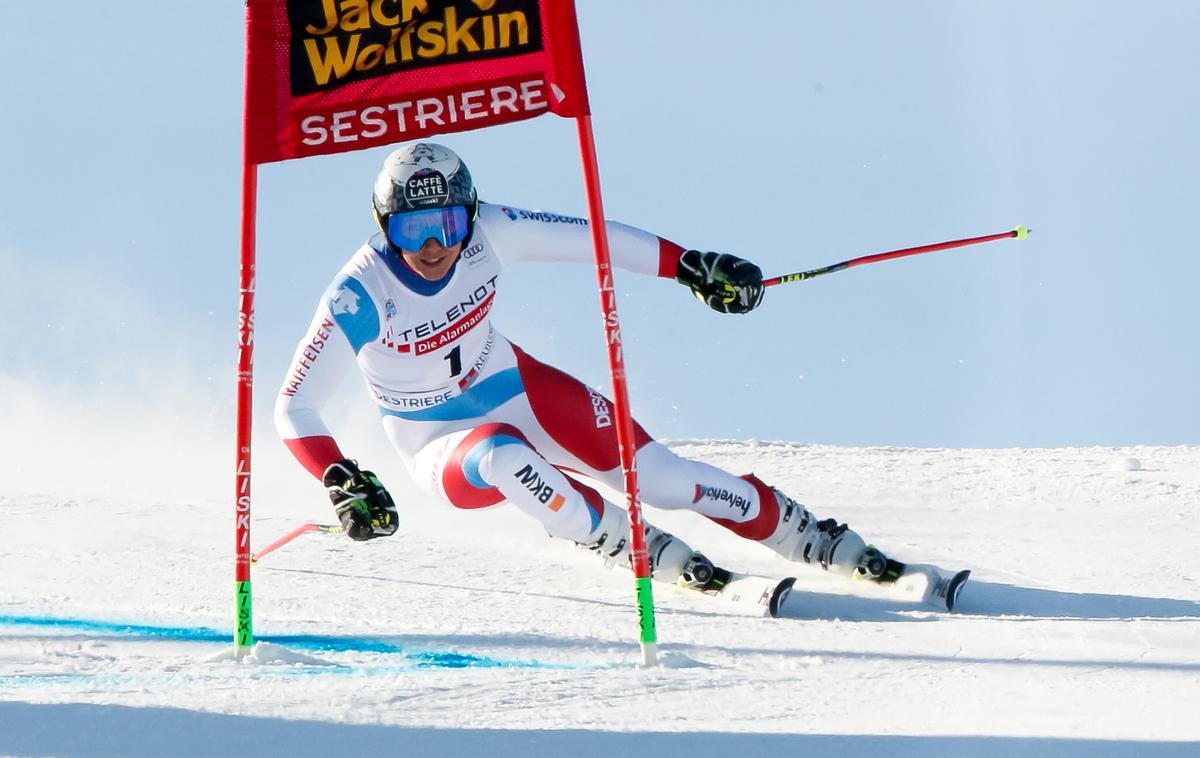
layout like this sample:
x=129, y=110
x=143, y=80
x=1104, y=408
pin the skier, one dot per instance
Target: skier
x=478, y=421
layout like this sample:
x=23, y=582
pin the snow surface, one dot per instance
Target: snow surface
x=474, y=634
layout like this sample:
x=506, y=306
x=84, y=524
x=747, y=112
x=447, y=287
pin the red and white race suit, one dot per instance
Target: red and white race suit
x=477, y=420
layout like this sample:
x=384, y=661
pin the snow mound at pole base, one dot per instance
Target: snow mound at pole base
x=267, y=654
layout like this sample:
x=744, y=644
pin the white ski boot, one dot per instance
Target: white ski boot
x=610, y=539
x=800, y=536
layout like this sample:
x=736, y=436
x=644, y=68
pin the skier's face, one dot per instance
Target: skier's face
x=432, y=261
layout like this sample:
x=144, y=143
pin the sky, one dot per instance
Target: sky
x=793, y=134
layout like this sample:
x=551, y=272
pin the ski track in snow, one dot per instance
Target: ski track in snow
x=474, y=634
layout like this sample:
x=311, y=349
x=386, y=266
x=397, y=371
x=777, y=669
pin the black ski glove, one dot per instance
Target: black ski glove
x=726, y=283
x=364, y=507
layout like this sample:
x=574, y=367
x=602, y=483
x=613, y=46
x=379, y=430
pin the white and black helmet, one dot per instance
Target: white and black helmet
x=422, y=176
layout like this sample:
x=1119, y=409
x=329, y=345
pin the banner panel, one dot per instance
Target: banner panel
x=328, y=76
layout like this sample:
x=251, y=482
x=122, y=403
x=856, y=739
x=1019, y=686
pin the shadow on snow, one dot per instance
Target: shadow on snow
x=101, y=731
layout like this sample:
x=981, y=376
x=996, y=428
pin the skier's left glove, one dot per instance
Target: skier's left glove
x=726, y=283
x=364, y=507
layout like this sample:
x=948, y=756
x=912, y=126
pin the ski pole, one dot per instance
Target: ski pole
x=1020, y=233
x=302, y=529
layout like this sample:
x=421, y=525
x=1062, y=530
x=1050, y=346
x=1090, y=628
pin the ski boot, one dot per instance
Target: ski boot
x=801, y=536
x=671, y=560
x=700, y=574
x=610, y=540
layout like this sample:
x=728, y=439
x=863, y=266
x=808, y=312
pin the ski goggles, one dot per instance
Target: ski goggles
x=449, y=226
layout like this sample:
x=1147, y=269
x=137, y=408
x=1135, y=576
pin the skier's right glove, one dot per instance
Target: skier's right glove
x=364, y=507
x=724, y=282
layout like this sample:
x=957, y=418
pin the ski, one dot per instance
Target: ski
x=918, y=583
x=748, y=591
x=925, y=584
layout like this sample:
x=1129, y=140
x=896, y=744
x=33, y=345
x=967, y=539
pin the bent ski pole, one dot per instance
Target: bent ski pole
x=302, y=529
x=1020, y=233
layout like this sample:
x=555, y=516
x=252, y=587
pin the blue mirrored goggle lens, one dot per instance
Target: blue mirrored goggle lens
x=408, y=231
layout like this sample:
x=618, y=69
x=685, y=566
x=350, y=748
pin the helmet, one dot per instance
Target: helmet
x=422, y=176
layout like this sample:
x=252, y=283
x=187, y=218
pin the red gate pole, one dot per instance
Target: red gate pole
x=616, y=363
x=243, y=636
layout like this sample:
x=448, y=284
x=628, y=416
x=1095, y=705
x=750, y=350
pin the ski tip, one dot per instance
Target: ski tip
x=956, y=585
x=782, y=590
x=1021, y=232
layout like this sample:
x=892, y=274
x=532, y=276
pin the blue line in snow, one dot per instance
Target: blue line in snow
x=414, y=658
x=193, y=634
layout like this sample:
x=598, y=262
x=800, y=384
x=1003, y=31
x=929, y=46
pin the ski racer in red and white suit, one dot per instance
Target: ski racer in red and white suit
x=477, y=420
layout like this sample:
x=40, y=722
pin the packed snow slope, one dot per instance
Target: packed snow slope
x=475, y=634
